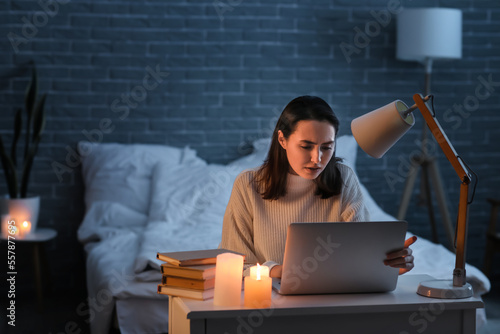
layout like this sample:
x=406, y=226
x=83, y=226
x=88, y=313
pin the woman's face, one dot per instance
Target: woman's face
x=309, y=148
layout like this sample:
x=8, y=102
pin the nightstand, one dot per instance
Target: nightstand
x=36, y=240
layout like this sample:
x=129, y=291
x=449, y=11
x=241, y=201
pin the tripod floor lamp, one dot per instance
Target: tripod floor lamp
x=425, y=35
x=377, y=131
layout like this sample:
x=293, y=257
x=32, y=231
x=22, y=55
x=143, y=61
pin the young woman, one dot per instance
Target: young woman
x=301, y=181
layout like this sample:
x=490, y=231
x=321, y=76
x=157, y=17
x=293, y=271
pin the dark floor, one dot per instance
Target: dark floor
x=66, y=312
x=63, y=312
x=492, y=306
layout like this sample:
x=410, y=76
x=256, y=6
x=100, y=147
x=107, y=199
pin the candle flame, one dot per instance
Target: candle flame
x=25, y=224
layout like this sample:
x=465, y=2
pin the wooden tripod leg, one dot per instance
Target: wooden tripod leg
x=408, y=190
x=426, y=189
x=443, y=207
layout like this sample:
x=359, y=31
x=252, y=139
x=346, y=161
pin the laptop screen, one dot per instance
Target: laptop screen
x=339, y=257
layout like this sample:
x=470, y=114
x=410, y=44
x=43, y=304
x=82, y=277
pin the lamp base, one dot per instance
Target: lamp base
x=444, y=289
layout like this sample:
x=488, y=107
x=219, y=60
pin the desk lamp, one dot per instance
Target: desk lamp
x=426, y=35
x=376, y=132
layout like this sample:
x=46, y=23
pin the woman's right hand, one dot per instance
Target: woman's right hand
x=276, y=271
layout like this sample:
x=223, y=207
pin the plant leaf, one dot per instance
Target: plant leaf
x=18, y=119
x=39, y=118
x=31, y=92
x=38, y=126
x=27, y=168
x=9, y=171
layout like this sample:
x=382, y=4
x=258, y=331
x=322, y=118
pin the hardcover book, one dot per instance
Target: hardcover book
x=196, y=257
x=189, y=283
x=195, y=272
x=188, y=293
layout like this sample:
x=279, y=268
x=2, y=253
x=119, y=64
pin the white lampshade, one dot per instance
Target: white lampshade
x=433, y=33
x=378, y=130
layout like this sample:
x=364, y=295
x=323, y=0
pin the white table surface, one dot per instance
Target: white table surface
x=403, y=298
x=39, y=235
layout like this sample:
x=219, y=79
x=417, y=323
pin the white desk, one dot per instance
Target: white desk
x=401, y=311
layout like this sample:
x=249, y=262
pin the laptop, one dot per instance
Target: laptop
x=340, y=257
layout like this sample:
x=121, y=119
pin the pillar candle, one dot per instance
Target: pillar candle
x=258, y=287
x=228, y=277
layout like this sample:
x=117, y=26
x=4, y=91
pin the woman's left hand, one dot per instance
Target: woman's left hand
x=402, y=259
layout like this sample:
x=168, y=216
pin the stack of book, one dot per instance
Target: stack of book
x=189, y=274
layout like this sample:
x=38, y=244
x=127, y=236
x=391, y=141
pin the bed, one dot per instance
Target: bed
x=141, y=199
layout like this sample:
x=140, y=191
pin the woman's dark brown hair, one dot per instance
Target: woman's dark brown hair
x=272, y=176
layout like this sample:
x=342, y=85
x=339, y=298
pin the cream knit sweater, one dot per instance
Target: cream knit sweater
x=257, y=227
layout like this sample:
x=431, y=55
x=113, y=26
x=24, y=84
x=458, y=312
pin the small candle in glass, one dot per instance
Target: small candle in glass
x=24, y=229
x=258, y=287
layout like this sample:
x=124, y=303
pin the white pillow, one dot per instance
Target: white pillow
x=121, y=173
x=180, y=191
x=187, y=205
x=254, y=159
x=346, y=148
x=105, y=219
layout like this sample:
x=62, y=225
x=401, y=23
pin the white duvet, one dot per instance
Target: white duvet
x=187, y=199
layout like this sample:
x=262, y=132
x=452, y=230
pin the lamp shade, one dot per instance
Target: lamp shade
x=434, y=33
x=378, y=130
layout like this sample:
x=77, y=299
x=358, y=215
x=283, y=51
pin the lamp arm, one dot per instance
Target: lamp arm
x=459, y=277
x=443, y=141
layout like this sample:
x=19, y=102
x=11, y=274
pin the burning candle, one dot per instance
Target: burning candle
x=24, y=229
x=258, y=287
x=228, y=276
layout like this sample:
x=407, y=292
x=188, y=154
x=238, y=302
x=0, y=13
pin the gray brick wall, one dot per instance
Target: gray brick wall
x=232, y=65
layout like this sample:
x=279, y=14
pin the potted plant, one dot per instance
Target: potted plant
x=18, y=205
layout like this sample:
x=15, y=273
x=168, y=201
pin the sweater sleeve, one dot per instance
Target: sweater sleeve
x=237, y=226
x=353, y=208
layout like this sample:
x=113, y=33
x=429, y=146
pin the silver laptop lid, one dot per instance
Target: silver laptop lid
x=340, y=257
